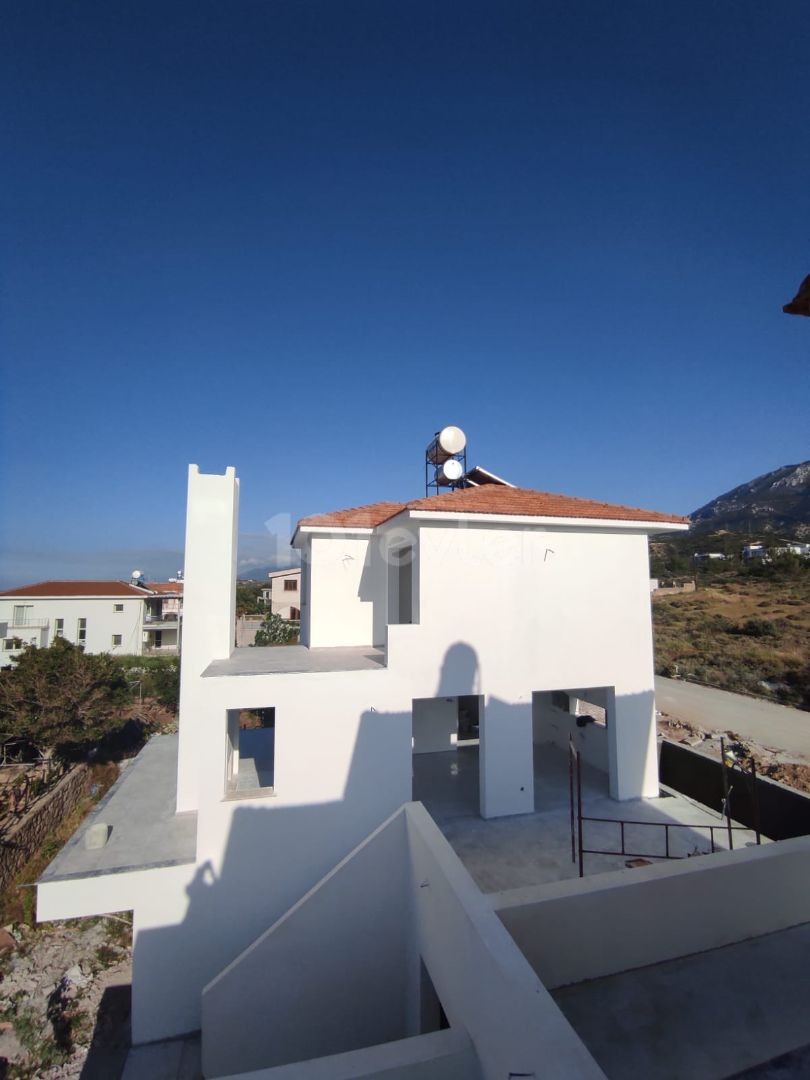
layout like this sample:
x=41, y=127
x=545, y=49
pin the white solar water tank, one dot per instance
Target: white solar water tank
x=450, y=441
x=450, y=471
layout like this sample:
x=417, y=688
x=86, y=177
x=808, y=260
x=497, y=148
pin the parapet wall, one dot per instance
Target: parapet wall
x=609, y=923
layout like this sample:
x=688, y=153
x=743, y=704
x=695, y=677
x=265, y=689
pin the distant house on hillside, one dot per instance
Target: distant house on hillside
x=791, y=547
x=102, y=616
x=754, y=551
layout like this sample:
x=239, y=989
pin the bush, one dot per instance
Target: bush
x=276, y=631
x=758, y=628
x=155, y=677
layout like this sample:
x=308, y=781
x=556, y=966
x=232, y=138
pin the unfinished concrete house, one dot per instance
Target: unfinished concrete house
x=355, y=859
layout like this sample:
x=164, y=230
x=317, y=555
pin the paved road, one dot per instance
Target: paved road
x=775, y=727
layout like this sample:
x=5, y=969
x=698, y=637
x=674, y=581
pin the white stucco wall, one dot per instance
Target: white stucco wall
x=305, y=550
x=344, y=951
x=658, y=912
x=506, y=758
x=342, y=591
x=400, y=896
x=103, y=621
x=165, y=955
x=579, y=616
x=483, y=981
x=209, y=604
x=435, y=725
x=440, y=1055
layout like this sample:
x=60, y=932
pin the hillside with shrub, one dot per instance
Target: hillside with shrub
x=776, y=503
x=746, y=628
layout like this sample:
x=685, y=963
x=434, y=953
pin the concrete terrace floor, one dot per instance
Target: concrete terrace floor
x=292, y=659
x=701, y=1017
x=533, y=849
x=139, y=810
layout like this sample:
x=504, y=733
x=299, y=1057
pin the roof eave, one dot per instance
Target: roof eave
x=629, y=524
x=328, y=530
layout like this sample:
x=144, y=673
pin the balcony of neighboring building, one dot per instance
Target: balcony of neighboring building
x=161, y=638
x=156, y=616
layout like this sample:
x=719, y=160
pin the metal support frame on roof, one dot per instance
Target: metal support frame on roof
x=445, y=470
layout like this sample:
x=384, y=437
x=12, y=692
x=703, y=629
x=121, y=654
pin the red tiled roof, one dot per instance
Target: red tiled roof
x=358, y=517
x=523, y=502
x=493, y=499
x=165, y=587
x=76, y=588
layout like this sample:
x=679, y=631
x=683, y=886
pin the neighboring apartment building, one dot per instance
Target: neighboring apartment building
x=102, y=616
x=293, y=897
x=163, y=618
x=284, y=593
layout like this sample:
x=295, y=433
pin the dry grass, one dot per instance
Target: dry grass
x=746, y=634
x=17, y=902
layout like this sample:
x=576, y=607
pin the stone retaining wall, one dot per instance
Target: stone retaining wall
x=24, y=839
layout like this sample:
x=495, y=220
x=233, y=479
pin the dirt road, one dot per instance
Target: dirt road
x=775, y=727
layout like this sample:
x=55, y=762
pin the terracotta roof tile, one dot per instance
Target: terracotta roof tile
x=76, y=588
x=492, y=499
x=358, y=517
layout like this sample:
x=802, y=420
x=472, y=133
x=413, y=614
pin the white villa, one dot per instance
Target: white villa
x=103, y=616
x=354, y=860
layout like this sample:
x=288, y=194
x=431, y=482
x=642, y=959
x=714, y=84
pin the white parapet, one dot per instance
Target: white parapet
x=212, y=520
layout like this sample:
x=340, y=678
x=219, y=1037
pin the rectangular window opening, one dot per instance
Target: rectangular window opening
x=81, y=631
x=59, y=627
x=290, y=585
x=118, y=607
x=117, y=640
x=400, y=585
x=250, y=752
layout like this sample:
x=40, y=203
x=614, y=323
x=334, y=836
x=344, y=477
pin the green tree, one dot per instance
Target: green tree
x=276, y=631
x=155, y=677
x=249, y=597
x=62, y=699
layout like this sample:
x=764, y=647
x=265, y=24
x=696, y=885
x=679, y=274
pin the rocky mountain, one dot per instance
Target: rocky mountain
x=778, y=502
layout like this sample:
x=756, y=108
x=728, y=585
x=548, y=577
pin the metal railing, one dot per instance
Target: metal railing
x=29, y=624
x=578, y=819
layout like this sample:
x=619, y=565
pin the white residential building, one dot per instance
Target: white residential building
x=102, y=616
x=283, y=595
x=294, y=895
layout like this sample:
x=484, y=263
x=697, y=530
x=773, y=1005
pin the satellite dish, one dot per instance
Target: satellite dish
x=137, y=575
x=449, y=442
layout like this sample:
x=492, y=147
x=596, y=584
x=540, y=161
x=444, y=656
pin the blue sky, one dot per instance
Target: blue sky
x=298, y=238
